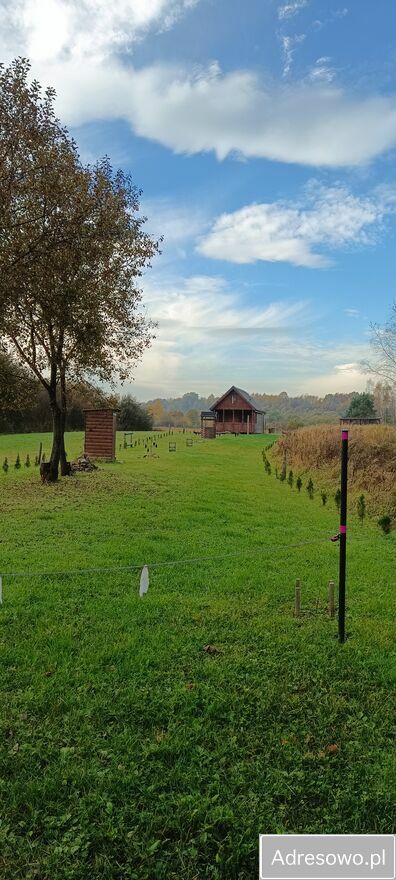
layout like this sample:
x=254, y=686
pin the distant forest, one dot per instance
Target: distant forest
x=24, y=405
x=281, y=409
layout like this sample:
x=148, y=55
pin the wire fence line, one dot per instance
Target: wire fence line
x=195, y=560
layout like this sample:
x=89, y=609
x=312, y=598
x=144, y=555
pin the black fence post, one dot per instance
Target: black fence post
x=343, y=531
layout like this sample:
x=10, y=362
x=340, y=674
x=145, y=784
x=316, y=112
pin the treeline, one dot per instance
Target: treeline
x=24, y=406
x=281, y=410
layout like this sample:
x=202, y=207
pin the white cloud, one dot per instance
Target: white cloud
x=305, y=123
x=307, y=367
x=55, y=29
x=178, y=224
x=159, y=372
x=206, y=330
x=352, y=313
x=209, y=337
x=204, y=304
x=291, y=9
x=318, y=24
x=341, y=378
x=290, y=232
x=289, y=45
x=75, y=45
x=322, y=71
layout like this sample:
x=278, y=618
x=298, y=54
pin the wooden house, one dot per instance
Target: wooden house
x=239, y=413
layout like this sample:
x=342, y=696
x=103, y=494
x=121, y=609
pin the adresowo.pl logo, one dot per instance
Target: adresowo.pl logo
x=327, y=857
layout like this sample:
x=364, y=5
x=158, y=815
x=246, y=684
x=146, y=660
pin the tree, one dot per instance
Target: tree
x=383, y=343
x=157, y=411
x=361, y=508
x=72, y=249
x=192, y=418
x=175, y=419
x=85, y=395
x=361, y=406
x=384, y=395
x=133, y=416
x=17, y=385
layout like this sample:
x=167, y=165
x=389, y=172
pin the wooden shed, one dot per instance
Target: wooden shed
x=100, y=433
x=239, y=413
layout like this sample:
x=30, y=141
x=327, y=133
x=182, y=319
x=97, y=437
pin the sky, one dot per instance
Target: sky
x=263, y=136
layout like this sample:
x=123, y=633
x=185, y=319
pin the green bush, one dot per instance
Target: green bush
x=290, y=479
x=385, y=524
x=361, y=507
x=324, y=498
x=5, y=465
x=299, y=484
x=310, y=488
x=17, y=463
x=337, y=499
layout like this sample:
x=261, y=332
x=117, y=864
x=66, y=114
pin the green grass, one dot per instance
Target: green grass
x=127, y=750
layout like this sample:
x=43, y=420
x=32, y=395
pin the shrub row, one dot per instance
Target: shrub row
x=290, y=479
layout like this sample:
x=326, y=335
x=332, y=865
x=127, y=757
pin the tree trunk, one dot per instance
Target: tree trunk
x=52, y=473
x=57, y=439
x=65, y=466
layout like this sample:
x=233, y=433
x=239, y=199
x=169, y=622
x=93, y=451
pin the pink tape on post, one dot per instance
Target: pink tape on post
x=344, y=435
x=343, y=530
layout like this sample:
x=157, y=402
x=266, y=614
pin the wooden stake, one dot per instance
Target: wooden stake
x=331, y=599
x=297, y=598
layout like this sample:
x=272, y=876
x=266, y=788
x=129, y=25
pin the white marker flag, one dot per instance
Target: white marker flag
x=144, y=581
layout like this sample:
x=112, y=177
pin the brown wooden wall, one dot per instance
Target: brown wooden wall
x=239, y=402
x=100, y=433
x=235, y=415
x=208, y=432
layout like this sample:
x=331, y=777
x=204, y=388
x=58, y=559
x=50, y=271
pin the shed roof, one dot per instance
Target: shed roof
x=255, y=404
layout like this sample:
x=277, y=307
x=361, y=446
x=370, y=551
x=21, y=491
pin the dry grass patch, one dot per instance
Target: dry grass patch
x=372, y=456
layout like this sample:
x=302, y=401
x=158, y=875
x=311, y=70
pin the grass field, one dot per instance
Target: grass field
x=130, y=752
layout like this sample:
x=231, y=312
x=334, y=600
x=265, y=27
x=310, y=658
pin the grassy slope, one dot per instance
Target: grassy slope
x=315, y=452
x=127, y=751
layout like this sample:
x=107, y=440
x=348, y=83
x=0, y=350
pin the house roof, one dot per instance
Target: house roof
x=255, y=404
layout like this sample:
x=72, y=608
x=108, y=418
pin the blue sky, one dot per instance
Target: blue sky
x=263, y=135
